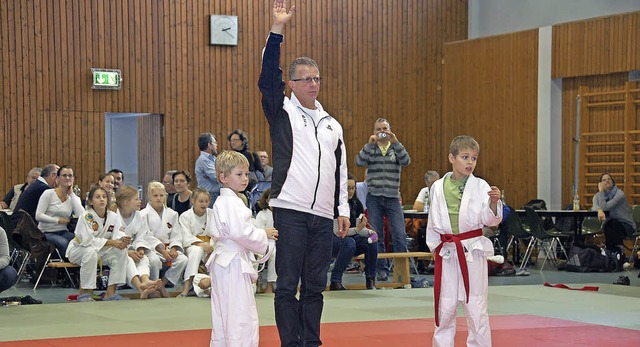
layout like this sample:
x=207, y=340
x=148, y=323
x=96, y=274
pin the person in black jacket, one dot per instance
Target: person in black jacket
x=309, y=186
x=29, y=199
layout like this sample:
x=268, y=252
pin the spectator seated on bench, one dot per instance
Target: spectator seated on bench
x=359, y=240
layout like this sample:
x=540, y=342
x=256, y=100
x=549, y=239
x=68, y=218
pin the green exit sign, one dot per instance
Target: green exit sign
x=106, y=79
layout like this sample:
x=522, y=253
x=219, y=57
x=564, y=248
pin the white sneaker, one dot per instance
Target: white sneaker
x=627, y=265
x=498, y=259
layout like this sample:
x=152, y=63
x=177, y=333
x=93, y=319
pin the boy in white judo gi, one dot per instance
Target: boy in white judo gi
x=461, y=204
x=233, y=306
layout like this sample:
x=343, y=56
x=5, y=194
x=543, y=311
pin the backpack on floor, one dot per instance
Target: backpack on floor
x=591, y=259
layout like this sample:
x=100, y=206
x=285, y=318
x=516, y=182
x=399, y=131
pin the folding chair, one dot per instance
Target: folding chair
x=56, y=264
x=518, y=233
x=542, y=236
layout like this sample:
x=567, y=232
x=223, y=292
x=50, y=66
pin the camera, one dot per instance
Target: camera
x=382, y=135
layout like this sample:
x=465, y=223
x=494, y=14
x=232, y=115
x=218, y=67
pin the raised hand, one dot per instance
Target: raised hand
x=281, y=16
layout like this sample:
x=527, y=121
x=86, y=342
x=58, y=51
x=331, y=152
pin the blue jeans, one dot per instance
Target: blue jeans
x=8, y=277
x=304, y=254
x=60, y=239
x=349, y=247
x=380, y=206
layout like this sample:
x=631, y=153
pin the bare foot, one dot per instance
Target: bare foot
x=146, y=293
x=163, y=292
x=154, y=294
x=150, y=284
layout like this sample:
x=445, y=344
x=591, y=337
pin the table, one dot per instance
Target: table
x=578, y=216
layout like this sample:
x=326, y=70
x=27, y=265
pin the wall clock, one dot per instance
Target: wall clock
x=224, y=30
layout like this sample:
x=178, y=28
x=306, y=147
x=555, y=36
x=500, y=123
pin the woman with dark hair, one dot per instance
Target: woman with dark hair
x=240, y=143
x=619, y=224
x=181, y=201
x=55, y=208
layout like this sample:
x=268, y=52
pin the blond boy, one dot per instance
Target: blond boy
x=461, y=204
x=233, y=305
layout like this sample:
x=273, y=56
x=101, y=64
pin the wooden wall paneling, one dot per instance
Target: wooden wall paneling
x=84, y=74
x=596, y=46
x=169, y=68
x=74, y=56
x=147, y=53
x=4, y=57
x=19, y=66
x=29, y=74
x=490, y=93
x=4, y=134
x=15, y=51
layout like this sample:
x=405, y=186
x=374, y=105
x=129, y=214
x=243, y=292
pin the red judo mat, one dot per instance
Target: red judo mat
x=508, y=330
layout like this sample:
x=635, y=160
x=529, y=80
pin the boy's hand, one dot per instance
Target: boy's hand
x=272, y=233
x=166, y=254
x=494, y=194
x=135, y=256
x=206, y=247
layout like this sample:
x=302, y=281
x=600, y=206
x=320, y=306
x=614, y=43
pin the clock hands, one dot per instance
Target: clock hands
x=226, y=30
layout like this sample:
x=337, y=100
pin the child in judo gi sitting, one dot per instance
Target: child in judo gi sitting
x=461, y=204
x=233, y=306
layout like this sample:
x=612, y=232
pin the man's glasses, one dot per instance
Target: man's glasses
x=351, y=188
x=307, y=80
x=66, y=175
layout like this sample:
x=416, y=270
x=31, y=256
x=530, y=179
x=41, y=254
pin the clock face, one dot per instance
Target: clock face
x=224, y=30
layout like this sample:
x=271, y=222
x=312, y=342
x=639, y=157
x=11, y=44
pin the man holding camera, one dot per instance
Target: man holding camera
x=384, y=157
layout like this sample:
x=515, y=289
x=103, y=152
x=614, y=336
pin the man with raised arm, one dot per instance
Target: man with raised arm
x=309, y=186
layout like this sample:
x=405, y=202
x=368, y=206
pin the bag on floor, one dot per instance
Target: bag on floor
x=591, y=259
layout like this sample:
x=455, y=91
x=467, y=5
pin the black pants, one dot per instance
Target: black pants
x=614, y=233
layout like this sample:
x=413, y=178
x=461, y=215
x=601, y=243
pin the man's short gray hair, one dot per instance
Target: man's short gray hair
x=293, y=68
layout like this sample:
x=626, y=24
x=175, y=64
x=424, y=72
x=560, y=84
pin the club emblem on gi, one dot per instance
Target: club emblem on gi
x=89, y=218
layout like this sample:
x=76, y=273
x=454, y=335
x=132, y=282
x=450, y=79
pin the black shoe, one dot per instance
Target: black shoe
x=336, y=286
x=623, y=280
x=371, y=283
x=383, y=276
x=28, y=300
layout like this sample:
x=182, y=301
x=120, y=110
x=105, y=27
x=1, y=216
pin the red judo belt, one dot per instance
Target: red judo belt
x=462, y=260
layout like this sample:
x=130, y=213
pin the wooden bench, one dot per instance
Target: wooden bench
x=60, y=265
x=401, y=269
